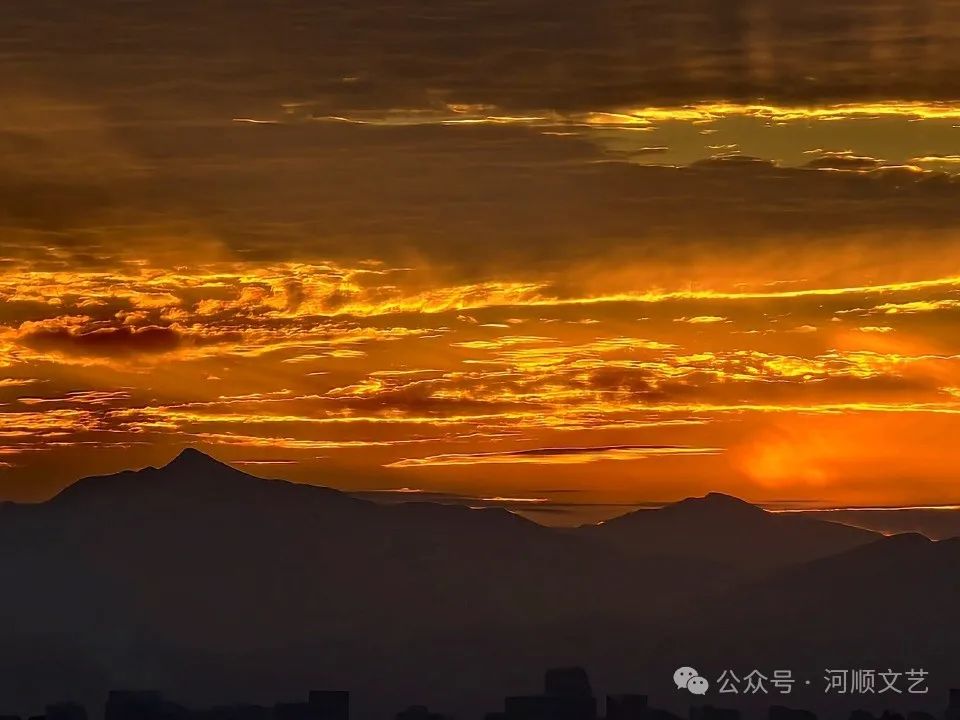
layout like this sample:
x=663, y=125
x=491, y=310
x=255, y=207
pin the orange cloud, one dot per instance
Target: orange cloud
x=555, y=455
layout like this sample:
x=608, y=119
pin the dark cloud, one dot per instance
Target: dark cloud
x=555, y=455
x=554, y=451
x=419, y=397
x=517, y=54
x=295, y=294
x=105, y=341
x=472, y=200
x=844, y=161
x=638, y=382
x=51, y=204
x=117, y=341
x=109, y=164
x=735, y=162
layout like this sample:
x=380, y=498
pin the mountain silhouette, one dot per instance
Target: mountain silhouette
x=939, y=523
x=213, y=585
x=884, y=605
x=159, y=574
x=725, y=529
x=190, y=477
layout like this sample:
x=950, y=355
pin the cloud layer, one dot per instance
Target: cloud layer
x=717, y=242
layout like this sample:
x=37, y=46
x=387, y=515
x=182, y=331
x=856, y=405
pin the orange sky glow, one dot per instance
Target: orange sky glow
x=569, y=303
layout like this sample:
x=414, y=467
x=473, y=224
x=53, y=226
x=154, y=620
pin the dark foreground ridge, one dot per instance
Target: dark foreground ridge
x=205, y=582
x=567, y=695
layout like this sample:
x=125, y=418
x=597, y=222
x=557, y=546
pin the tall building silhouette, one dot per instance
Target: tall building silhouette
x=567, y=696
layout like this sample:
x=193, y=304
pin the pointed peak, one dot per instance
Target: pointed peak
x=190, y=478
x=192, y=458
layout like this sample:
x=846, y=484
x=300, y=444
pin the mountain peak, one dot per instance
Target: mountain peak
x=717, y=502
x=189, y=473
x=192, y=459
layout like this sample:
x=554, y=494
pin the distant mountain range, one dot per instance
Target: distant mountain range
x=937, y=523
x=740, y=534
x=210, y=584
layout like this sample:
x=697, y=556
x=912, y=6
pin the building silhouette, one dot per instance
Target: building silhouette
x=150, y=705
x=567, y=695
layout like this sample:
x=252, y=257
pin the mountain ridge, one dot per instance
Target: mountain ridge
x=192, y=473
x=196, y=575
x=727, y=529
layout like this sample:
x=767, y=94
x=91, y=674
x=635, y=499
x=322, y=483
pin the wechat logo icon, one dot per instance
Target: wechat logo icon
x=686, y=678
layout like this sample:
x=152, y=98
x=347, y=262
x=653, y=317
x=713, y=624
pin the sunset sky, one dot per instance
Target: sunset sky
x=562, y=257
